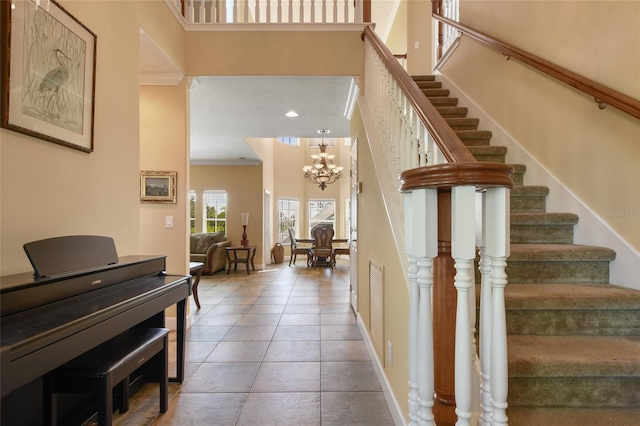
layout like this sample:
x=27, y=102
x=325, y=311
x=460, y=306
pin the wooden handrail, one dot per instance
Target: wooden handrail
x=602, y=94
x=449, y=143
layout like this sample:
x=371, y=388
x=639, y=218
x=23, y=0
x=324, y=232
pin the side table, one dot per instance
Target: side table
x=195, y=268
x=250, y=254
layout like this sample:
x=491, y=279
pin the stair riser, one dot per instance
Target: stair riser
x=429, y=84
x=443, y=101
x=592, y=392
x=574, y=322
x=541, y=234
x=549, y=272
x=490, y=158
x=460, y=112
x=518, y=179
x=528, y=204
x=435, y=92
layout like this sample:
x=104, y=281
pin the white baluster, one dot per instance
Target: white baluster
x=246, y=11
x=463, y=251
x=421, y=243
x=257, y=12
x=191, y=13
x=290, y=12
x=412, y=275
x=335, y=11
x=313, y=11
x=279, y=11
x=498, y=250
x=358, y=12
x=201, y=11
x=301, y=11
x=324, y=11
x=346, y=11
x=485, y=331
x=235, y=11
x=268, y=12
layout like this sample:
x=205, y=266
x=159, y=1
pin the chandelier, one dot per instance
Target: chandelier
x=323, y=172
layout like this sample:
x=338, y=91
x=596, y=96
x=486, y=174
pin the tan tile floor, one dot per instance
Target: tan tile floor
x=277, y=347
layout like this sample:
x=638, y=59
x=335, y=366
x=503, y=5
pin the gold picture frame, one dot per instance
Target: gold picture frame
x=158, y=187
x=48, y=73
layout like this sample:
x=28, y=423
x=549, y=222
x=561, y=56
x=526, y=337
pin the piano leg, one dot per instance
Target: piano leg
x=181, y=321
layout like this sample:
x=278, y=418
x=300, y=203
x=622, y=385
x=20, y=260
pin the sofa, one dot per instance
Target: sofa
x=209, y=248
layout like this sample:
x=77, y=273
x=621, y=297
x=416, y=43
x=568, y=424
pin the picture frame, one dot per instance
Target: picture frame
x=47, y=82
x=157, y=187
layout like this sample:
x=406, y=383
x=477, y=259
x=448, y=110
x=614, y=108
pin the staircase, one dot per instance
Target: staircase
x=573, y=338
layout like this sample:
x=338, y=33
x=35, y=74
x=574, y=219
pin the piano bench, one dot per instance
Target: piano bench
x=106, y=366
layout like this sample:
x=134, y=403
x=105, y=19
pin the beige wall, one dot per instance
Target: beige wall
x=244, y=188
x=49, y=190
x=275, y=53
x=376, y=242
x=419, y=30
x=594, y=153
x=163, y=147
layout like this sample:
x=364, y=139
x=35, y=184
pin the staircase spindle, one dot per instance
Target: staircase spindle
x=497, y=224
x=279, y=12
x=485, y=326
x=463, y=251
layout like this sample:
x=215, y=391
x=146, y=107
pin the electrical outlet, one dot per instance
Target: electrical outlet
x=389, y=352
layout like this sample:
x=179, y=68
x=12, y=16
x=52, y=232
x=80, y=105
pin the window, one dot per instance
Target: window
x=192, y=211
x=215, y=211
x=289, y=141
x=287, y=214
x=322, y=212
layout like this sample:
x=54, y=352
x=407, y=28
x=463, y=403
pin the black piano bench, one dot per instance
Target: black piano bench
x=106, y=366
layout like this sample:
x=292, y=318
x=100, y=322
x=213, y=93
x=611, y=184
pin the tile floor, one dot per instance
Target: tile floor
x=276, y=347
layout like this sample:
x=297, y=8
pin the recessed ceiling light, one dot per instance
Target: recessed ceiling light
x=291, y=114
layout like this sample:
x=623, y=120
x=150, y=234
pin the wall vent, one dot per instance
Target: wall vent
x=376, y=306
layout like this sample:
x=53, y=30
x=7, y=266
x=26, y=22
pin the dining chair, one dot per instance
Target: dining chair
x=295, y=250
x=322, y=245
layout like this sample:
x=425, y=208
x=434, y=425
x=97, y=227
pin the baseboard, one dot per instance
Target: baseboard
x=591, y=228
x=172, y=322
x=392, y=402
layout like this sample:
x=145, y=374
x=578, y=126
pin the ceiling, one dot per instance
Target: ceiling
x=227, y=110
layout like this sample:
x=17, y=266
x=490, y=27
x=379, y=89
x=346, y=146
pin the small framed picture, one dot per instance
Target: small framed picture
x=157, y=187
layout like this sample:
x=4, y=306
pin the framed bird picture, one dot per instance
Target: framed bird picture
x=47, y=77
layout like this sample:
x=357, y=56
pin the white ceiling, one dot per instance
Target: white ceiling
x=226, y=110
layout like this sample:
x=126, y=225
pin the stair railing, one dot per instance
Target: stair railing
x=452, y=205
x=602, y=94
x=273, y=11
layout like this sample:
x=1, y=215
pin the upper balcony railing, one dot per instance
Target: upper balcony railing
x=274, y=11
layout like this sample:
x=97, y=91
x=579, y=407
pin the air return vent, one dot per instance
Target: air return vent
x=376, y=306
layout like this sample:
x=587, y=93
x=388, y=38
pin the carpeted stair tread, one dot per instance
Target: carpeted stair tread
x=442, y=101
x=434, y=92
x=560, y=252
x=492, y=154
x=552, y=416
x=417, y=78
x=518, y=174
x=570, y=296
x=474, y=137
x=573, y=356
x=543, y=218
x=428, y=84
x=452, y=111
x=462, y=123
x=530, y=191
